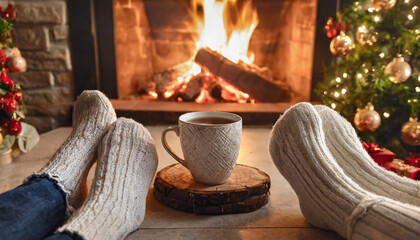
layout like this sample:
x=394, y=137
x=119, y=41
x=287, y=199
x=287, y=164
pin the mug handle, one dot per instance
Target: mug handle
x=166, y=145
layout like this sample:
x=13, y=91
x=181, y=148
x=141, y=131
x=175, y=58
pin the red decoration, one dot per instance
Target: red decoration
x=379, y=155
x=372, y=147
x=6, y=79
x=9, y=13
x=10, y=105
x=2, y=57
x=413, y=159
x=18, y=96
x=402, y=169
x=13, y=127
x=332, y=28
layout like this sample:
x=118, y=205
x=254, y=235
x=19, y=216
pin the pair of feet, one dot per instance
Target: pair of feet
x=339, y=186
x=127, y=162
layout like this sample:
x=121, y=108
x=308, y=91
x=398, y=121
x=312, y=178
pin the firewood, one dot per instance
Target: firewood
x=193, y=88
x=246, y=79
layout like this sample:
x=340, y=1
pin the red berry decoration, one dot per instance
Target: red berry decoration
x=10, y=12
x=10, y=105
x=6, y=79
x=13, y=127
x=18, y=96
x=2, y=57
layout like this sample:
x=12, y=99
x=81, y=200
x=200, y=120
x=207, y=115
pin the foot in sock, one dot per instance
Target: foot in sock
x=116, y=204
x=328, y=198
x=348, y=151
x=92, y=116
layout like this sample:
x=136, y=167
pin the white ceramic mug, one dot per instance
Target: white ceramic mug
x=210, y=142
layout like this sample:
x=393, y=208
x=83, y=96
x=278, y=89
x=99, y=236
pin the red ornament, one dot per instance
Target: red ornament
x=13, y=127
x=18, y=96
x=2, y=57
x=10, y=12
x=6, y=79
x=333, y=28
x=330, y=28
x=10, y=105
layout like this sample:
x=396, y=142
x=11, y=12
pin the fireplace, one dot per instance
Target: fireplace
x=143, y=48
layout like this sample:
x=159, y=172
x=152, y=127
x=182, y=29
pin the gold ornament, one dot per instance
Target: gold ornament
x=383, y=4
x=366, y=36
x=410, y=132
x=367, y=119
x=341, y=45
x=399, y=70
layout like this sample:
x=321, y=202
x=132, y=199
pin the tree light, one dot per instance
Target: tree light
x=343, y=91
x=410, y=17
x=382, y=55
x=417, y=89
x=407, y=1
x=333, y=105
x=376, y=18
x=336, y=94
x=359, y=75
x=386, y=114
x=345, y=75
x=338, y=79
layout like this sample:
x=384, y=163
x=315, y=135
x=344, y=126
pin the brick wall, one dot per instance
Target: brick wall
x=41, y=33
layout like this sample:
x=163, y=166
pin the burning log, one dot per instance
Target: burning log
x=215, y=91
x=244, y=78
x=193, y=88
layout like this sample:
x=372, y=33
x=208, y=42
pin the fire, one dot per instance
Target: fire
x=226, y=28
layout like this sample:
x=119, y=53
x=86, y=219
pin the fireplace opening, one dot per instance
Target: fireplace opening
x=214, y=51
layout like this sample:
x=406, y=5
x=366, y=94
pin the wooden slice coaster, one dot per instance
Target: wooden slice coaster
x=245, y=191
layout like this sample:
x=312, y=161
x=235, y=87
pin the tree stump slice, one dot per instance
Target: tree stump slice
x=246, y=190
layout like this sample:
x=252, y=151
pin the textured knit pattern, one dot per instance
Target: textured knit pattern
x=115, y=207
x=92, y=116
x=211, y=151
x=348, y=151
x=328, y=198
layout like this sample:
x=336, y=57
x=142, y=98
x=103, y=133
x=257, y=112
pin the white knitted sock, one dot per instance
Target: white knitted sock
x=348, y=151
x=115, y=207
x=328, y=198
x=92, y=116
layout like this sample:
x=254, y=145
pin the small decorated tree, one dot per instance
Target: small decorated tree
x=374, y=79
x=11, y=103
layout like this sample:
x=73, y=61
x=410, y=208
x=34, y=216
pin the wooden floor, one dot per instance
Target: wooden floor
x=281, y=218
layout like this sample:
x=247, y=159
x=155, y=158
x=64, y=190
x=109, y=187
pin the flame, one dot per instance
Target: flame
x=226, y=28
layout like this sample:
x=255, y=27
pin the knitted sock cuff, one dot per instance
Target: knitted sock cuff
x=57, y=182
x=359, y=212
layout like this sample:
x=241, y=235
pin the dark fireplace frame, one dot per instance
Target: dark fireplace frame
x=93, y=49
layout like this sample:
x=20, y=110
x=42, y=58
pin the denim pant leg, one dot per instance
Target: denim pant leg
x=32, y=211
x=66, y=235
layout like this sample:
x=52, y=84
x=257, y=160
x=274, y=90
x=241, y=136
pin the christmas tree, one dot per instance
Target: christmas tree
x=13, y=131
x=376, y=46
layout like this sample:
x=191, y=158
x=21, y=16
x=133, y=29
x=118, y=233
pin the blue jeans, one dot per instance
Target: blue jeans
x=33, y=211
